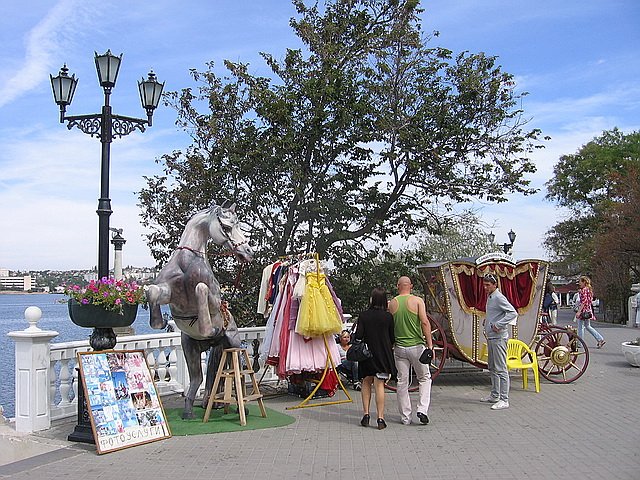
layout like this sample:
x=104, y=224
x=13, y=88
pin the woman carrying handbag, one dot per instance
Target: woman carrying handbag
x=375, y=329
x=584, y=315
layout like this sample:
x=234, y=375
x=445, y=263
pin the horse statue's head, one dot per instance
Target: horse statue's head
x=224, y=230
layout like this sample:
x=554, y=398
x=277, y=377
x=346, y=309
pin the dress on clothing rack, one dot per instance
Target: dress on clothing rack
x=305, y=309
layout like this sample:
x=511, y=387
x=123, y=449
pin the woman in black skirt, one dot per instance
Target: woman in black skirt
x=375, y=328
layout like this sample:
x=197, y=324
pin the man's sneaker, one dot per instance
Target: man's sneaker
x=357, y=386
x=500, y=405
x=490, y=399
x=423, y=418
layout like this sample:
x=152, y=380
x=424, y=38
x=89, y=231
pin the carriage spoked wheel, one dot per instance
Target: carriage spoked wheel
x=439, y=357
x=562, y=355
x=439, y=348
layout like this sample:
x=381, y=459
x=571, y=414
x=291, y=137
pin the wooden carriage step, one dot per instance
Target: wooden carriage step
x=234, y=382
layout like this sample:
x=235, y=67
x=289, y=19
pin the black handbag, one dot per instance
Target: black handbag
x=358, y=351
x=586, y=315
x=426, y=357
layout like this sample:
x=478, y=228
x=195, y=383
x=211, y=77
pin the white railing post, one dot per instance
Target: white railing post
x=32, y=374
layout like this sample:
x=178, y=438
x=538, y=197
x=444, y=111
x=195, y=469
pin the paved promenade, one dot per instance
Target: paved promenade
x=586, y=430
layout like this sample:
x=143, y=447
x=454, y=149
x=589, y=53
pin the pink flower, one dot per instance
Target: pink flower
x=108, y=293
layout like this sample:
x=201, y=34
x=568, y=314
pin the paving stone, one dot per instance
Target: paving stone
x=589, y=429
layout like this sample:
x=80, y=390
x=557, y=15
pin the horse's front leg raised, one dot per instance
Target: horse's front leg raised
x=157, y=295
x=208, y=326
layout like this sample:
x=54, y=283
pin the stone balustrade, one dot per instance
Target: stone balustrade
x=47, y=379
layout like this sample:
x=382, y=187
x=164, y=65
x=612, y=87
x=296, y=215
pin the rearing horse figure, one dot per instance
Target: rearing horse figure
x=188, y=285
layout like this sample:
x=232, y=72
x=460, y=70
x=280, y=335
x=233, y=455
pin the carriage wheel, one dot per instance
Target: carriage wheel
x=439, y=348
x=562, y=356
x=439, y=357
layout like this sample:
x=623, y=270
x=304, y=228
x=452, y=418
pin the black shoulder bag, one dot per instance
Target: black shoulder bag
x=358, y=351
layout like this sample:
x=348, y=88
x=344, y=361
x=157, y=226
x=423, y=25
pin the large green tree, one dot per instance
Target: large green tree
x=599, y=186
x=360, y=133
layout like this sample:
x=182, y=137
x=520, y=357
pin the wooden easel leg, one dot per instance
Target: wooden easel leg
x=256, y=389
x=239, y=388
x=214, y=388
x=228, y=390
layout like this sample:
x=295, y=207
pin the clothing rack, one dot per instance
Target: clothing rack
x=329, y=364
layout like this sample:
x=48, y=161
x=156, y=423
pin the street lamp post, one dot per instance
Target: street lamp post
x=506, y=247
x=106, y=125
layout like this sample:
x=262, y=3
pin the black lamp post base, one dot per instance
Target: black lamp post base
x=82, y=432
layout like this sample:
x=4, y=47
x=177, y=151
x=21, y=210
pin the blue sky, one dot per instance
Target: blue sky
x=578, y=59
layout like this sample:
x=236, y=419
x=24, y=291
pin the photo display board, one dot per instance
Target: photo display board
x=123, y=403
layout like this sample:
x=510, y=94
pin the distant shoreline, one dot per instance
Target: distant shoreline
x=16, y=292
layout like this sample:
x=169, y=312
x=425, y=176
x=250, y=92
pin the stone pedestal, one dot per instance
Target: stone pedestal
x=32, y=374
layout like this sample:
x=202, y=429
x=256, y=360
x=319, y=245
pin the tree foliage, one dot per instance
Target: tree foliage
x=599, y=184
x=462, y=237
x=361, y=133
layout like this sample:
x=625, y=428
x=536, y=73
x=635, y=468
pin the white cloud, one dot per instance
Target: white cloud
x=49, y=187
x=40, y=43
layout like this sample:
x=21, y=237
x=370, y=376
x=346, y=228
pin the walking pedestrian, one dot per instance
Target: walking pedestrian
x=584, y=314
x=375, y=328
x=413, y=333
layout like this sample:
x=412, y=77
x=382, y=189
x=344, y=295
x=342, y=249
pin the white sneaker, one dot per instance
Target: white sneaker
x=500, y=405
x=490, y=399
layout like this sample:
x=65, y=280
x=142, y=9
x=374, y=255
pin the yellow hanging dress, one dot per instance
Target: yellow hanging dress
x=318, y=314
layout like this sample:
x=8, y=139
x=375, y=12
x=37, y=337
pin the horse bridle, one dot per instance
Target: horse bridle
x=224, y=227
x=233, y=250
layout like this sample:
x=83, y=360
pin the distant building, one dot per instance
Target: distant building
x=14, y=283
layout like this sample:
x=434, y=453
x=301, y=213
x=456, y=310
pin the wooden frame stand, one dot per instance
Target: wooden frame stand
x=230, y=369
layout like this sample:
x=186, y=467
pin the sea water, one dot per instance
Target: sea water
x=55, y=316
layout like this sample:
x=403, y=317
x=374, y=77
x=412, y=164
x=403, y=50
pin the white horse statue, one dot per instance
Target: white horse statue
x=188, y=285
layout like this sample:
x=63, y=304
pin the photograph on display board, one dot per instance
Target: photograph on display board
x=124, y=406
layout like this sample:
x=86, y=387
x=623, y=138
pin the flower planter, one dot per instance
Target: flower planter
x=631, y=353
x=93, y=316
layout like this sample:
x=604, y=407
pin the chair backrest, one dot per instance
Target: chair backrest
x=515, y=349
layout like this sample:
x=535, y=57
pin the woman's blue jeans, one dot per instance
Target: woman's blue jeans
x=351, y=369
x=582, y=324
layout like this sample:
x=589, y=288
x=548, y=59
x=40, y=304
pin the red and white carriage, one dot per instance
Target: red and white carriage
x=456, y=300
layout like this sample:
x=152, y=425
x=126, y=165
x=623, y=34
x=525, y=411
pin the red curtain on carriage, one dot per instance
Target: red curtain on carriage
x=515, y=282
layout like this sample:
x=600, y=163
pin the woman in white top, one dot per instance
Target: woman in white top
x=347, y=367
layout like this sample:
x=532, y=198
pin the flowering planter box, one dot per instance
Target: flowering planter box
x=93, y=316
x=631, y=353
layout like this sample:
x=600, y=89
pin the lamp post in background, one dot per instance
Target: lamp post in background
x=106, y=125
x=506, y=247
